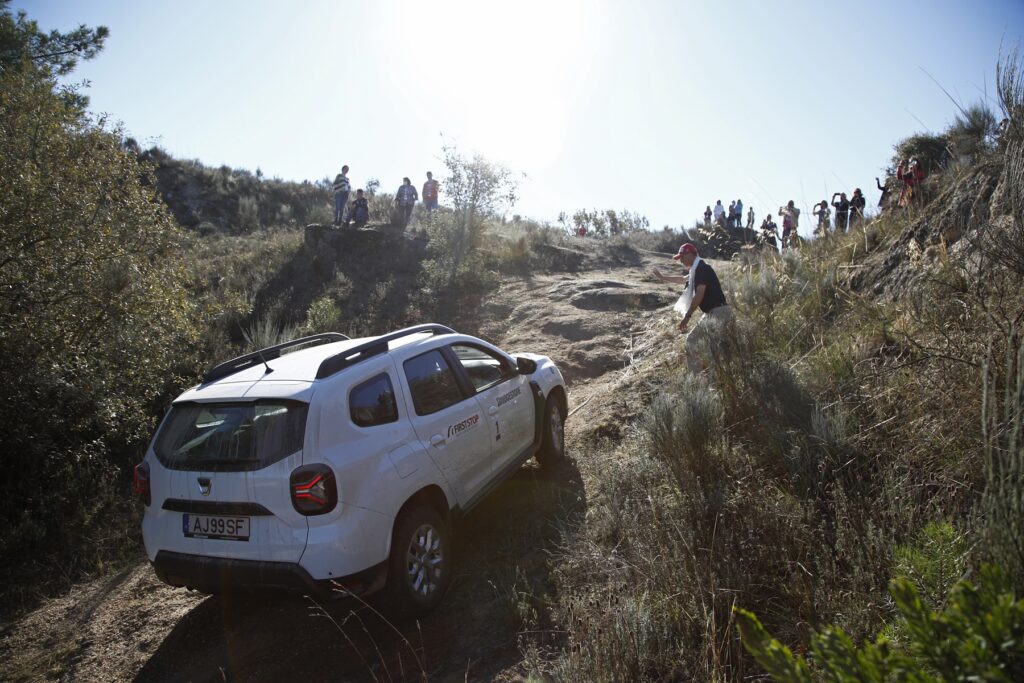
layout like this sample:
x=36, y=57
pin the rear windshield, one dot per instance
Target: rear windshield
x=230, y=436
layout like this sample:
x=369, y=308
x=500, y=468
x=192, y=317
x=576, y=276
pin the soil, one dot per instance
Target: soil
x=602, y=327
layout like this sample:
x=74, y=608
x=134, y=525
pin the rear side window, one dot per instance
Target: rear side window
x=373, y=402
x=230, y=436
x=431, y=383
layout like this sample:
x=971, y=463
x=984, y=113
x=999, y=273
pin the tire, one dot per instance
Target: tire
x=420, y=566
x=552, y=448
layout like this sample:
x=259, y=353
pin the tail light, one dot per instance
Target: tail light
x=140, y=483
x=314, y=491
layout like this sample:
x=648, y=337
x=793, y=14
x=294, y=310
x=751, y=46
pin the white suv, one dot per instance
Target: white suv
x=343, y=464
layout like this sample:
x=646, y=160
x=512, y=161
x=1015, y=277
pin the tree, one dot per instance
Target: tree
x=24, y=45
x=476, y=186
x=478, y=190
x=96, y=320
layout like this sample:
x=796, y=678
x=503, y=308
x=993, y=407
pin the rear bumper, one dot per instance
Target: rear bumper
x=221, y=575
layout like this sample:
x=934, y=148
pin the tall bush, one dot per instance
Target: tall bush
x=95, y=319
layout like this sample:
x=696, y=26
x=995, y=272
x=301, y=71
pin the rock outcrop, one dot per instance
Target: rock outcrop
x=964, y=208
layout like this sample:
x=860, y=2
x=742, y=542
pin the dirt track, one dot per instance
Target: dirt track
x=131, y=627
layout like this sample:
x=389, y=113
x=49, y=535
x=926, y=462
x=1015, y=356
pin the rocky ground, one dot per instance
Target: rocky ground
x=602, y=327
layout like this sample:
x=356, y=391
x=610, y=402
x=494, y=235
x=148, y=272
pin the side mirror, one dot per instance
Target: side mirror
x=526, y=366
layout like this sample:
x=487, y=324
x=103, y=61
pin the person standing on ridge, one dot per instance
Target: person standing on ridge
x=739, y=214
x=770, y=232
x=883, y=201
x=857, y=203
x=707, y=217
x=405, y=198
x=912, y=175
x=790, y=222
x=342, y=189
x=731, y=220
x=719, y=212
x=842, y=210
x=703, y=291
x=750, y=218
x=430, y=192
x=823, y=213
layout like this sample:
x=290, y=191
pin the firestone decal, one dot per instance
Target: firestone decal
x=464, y=426
x=505, y=398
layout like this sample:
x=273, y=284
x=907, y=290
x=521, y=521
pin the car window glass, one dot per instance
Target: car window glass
x=484, y=368
x=230, y=436
x=431, y=383
x=373, y=402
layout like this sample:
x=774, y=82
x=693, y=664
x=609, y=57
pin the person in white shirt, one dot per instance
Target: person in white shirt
x=342, y=189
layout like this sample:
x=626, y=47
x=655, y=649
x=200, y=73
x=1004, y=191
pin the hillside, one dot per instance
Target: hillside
x=854, y=446
x=824, y=484
x=231, y=201
x=599, y=323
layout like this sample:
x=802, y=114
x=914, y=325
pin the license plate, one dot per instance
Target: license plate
x=209, y=526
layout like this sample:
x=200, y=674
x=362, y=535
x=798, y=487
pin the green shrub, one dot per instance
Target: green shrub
x=97, y=325
x=248, y=213
x=931, y=151
x=977, y=636
x=323, y=315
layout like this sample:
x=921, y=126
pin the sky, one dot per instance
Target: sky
x=658, y=107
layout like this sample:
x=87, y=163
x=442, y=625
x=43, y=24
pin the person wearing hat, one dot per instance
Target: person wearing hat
x=703, y=291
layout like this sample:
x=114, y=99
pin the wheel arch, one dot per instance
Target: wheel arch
x=558, y=395
x=433, y=496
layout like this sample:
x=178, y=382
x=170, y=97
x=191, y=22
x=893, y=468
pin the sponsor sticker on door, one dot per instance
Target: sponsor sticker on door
x=466, y=425
x=505, y=398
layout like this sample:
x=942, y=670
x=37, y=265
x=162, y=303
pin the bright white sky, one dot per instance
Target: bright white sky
x=657, y=107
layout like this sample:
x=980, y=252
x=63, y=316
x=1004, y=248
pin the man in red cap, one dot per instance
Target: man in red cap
x=703, y=291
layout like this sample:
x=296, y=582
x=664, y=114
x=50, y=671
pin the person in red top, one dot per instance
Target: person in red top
x=430, y=191
x=912, y=175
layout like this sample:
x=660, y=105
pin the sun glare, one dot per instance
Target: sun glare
x=505, y=73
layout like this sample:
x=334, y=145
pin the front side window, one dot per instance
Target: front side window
x=484, y=368
x=431, y=383
x=373, y=402
x=230, y=436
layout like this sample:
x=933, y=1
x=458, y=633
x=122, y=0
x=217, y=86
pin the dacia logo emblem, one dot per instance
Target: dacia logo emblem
x=204, y=486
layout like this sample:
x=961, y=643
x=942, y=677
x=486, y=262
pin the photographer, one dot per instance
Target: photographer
x=823, y=213
x=857, y=204
x=790, y=222
x=842, y=210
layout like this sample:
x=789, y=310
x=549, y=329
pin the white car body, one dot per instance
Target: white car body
x=449, y=458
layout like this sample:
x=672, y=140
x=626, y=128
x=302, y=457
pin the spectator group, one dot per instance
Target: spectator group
x=357, y=211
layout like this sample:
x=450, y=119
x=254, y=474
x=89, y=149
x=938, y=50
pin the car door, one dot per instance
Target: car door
x=449, y=422
x=504, y=396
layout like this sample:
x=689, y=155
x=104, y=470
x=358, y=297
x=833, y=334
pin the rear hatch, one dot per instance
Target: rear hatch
x=226, y=466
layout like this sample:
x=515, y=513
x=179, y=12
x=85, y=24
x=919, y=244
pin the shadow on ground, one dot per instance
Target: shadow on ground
x=502, y=567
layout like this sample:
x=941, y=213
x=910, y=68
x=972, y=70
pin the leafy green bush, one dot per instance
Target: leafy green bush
x=977, y=636
x=96, y=321
x=931, y=151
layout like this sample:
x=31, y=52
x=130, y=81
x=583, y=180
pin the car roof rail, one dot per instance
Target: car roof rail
x=374, y=347
x=256, y=357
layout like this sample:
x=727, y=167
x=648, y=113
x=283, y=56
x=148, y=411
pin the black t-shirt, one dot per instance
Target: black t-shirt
x=842, y=206
x=713, y=295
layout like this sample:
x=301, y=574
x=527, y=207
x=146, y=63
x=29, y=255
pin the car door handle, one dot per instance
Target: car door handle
x=437, y=440
x=493, y=410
